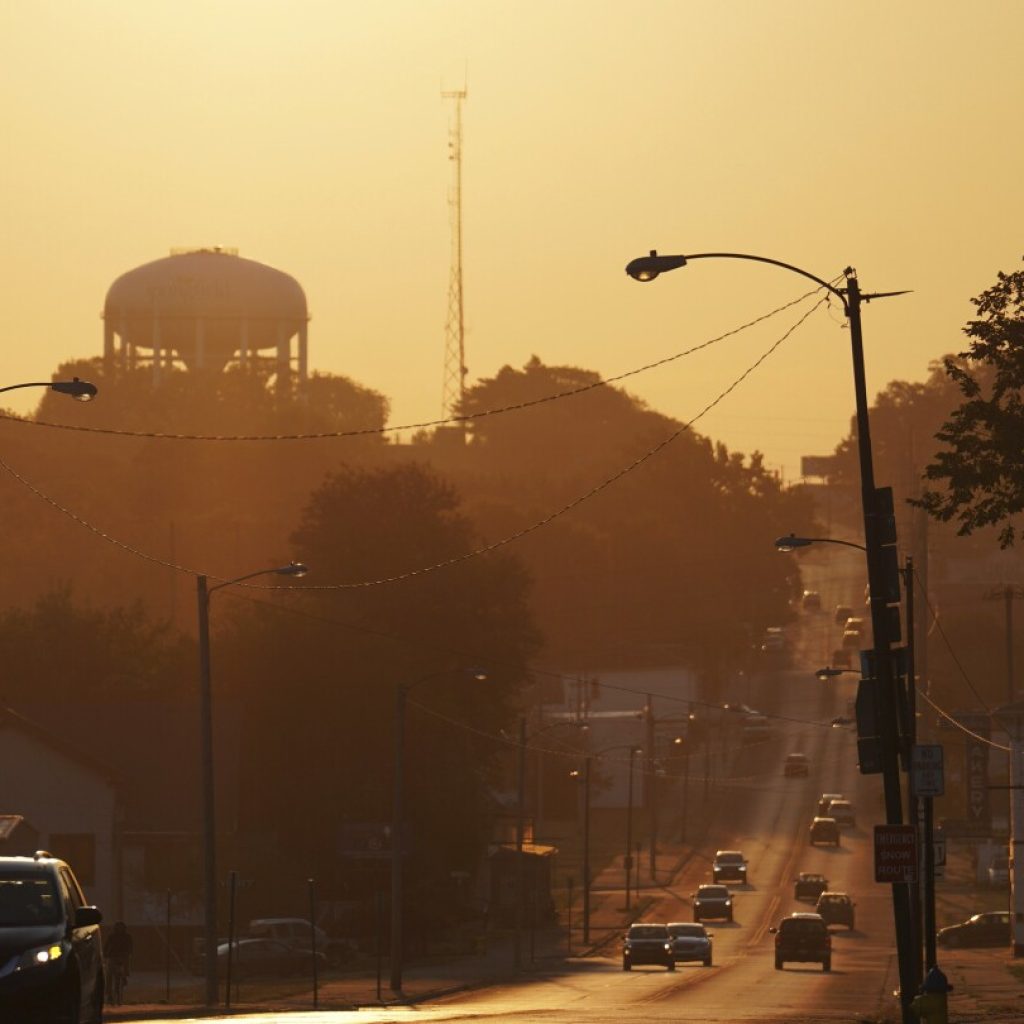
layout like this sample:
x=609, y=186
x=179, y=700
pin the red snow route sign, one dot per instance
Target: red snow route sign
x=895, y=853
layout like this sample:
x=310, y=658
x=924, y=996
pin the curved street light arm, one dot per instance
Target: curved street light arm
x=291, y=569
x=792, y=542
x=840, y=293
x=81, y=390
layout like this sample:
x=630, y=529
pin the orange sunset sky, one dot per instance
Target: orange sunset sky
x=311, y=135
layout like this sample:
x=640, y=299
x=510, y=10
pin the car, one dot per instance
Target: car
x=809, y=885
x=851, y=640
x=988, y=929
x=825, y=800
x=647, y=944
x=842, y=811
x=266, y=958
x=824, y=830
x=52, y=953
x=756, y=727
x=690, y=941
x=854, y=624
x=774, y=642
x=292, y=931
x=729, y=864
x=803, y=938
x=841, y=614
x=796, y=765
x=811, y=601
x=712, y=901
x=836, y=908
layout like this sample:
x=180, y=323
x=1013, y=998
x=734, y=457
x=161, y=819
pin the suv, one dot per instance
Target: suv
x=712, y=901
x=51, y=953
x=809, y=886
x=690, y=941
x=836, y=908
x=803, y=938
x=729, y=864
x=824, y=830
x=647, y=944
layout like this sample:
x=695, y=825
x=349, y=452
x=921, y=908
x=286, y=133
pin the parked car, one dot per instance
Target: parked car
x=51, y=952
x=824, y=830
x=712, y=901
x=647, y=944
x=811, y=601
x=809, y=886
x=836, y=908
x=803, y=938
x=842, y=613
x=842, y=810
x=292, y=931
x=690, y=941
x=988, y=929
x=796, y=765
x=266, y=958
x=729, y=864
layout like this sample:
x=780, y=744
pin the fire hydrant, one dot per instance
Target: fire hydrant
x=930, y=1003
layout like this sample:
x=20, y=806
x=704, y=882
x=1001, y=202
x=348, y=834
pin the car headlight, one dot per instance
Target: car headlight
x=40, y=956
x=728, y=903
x=668, y=947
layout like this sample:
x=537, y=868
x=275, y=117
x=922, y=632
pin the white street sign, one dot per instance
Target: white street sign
x=926, y=777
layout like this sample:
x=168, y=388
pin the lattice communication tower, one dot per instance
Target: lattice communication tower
x=454, y=385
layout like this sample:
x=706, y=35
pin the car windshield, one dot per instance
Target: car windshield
x=812, y=878
x=834, y=901
x=28, y=899
x=687, y=931
x=713, y=892
x=648, y=931
x=730, y=858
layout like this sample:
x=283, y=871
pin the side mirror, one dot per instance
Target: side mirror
x=773, y=931
x=85, y=916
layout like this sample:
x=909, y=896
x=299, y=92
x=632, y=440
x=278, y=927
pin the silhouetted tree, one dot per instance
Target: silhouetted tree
x=981, y=467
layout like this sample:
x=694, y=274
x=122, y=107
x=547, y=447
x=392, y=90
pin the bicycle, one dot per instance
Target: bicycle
x=117, y=978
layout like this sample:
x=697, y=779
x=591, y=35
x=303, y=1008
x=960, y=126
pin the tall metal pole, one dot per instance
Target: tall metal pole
x=517, y=948
x=629, y=825
x=209, y=813
x=586, y=851
x=651, y=792
x=913, y=802
x=1008, y=596
x=397, y=842
x=930, y=954
x=886, y=689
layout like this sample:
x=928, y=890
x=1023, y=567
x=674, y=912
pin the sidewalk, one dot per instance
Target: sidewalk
x=428, y=979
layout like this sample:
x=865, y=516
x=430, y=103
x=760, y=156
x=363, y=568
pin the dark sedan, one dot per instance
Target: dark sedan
x=809, y=886
x=989, y=929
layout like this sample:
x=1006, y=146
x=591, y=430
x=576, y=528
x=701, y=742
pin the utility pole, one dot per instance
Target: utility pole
x=650, y=790
x=879, y=537
x=1011, y=718
x=517, y=949
x=1007, y=593
x=927, y=854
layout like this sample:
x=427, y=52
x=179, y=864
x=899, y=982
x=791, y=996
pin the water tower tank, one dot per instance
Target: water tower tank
x=203, y=309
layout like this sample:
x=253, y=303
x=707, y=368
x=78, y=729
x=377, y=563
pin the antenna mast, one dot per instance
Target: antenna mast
x=454, y=386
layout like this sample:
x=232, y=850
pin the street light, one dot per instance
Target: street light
x=828, y=672
x=398, y=822
x=294, y=569
x=80, y=390
x=792, y=542
x=879, y=535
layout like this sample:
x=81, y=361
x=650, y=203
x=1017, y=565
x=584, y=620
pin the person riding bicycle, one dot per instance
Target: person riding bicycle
x=118, y=950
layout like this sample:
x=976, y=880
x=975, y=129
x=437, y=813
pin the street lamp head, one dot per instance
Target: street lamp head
x=792, y=542
x=828, y=673
x=647, y=268
x=80, y=390
x=295, y=569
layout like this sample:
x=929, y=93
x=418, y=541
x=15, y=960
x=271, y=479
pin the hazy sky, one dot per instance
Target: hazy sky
x=311, y=135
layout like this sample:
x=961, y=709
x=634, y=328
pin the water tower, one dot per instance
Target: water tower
x=204, y=310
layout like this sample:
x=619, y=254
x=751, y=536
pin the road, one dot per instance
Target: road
x=767, y=818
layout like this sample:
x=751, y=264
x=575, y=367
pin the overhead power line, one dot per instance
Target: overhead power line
x=425, y=424
x=457, y=559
